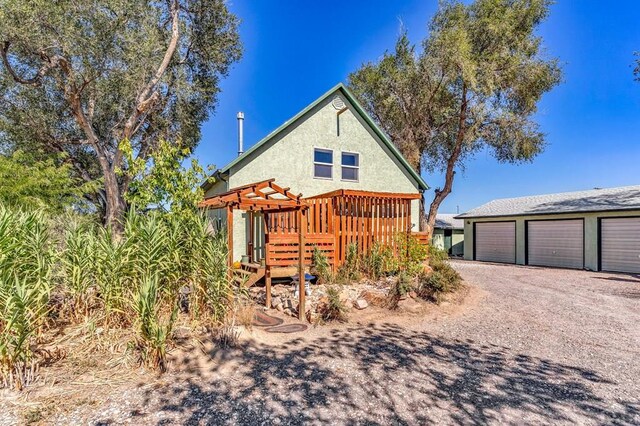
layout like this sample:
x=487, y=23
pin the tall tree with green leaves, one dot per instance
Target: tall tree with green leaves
x=80, y=77
x=475, y=83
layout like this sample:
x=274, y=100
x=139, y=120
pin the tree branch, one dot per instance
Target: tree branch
x=148, y=95
x=35, y=81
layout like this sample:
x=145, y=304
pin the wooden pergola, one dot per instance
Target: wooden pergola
x=266, y=197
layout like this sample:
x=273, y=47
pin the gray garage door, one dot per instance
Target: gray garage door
x=620, y=245
x=558, y=243
x=495, y=242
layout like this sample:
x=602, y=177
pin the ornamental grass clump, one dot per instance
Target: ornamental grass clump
x=333, y=309
x=26, y=269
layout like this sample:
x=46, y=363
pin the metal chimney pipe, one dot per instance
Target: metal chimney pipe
x=240, y=118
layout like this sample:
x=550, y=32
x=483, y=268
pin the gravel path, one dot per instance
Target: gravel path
x=542, y=346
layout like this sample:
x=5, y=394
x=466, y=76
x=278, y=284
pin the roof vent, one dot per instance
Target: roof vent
x=338, y=103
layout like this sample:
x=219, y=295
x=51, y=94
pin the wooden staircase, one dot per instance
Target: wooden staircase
x=248, y=274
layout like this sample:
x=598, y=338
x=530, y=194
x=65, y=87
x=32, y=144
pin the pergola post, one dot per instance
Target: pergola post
x=230, y=241
x=301, y=255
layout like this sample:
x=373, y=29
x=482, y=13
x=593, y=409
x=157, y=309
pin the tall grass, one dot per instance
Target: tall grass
x=26, y=266
x=132, y=281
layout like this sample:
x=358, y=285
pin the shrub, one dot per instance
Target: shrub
x=334, y=309
x=350, y=269
x=321, y=266
x=437, y=254
x=411, y=253
x=444, y=279
x=399, y=289
x=379, y=261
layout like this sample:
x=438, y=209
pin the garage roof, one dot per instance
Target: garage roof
x=594, y=200
x=448, y=221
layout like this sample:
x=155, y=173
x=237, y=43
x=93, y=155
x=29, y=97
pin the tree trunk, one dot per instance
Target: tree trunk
x=441, y=194
x=114, y=199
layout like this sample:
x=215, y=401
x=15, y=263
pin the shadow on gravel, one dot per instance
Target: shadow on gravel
x=392, y=376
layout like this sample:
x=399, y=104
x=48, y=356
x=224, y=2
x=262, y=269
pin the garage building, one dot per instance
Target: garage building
x=598, y=230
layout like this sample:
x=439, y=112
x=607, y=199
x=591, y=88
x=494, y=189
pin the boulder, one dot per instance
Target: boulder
x=361, y=304
x=275, y=302
x=409, y=305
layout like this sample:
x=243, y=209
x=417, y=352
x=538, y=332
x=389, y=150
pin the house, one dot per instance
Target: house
x=598, y=230
x=448, y=234
x=329, y=168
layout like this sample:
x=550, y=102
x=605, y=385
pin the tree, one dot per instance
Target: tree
x=163, y=182
x=475, y=83
x=81, y=77
x=30, y=183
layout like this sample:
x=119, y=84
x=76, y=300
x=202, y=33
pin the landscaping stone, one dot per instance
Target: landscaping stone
x=361, y=304
x=275, y=302
x=409, y=305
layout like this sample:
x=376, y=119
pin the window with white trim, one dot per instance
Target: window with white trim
x=350, y=166
x=323, y=163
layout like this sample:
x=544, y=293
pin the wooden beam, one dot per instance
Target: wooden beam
x=301, y=254
x=230, y=241
x=267, y=285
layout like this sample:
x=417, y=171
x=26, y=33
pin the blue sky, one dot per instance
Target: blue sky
x=295, y=51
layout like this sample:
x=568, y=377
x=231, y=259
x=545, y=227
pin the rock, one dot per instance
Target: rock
x=426, y=268
x=287, y=311
x=361, y=304
x=279, y=307
x=413, y=294
x=409, y=305
x=275, y=302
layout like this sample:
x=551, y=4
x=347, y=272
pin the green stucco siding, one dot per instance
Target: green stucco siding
x=590, y=233
x=288, y=158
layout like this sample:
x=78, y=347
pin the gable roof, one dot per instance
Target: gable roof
x=448, y=221
x=342, y=88
x=594, y=200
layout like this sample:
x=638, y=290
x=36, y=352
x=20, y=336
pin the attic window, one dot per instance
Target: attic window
x=350, y=166
x=323, y=163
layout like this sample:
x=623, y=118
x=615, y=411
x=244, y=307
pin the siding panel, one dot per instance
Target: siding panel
x=620, y=245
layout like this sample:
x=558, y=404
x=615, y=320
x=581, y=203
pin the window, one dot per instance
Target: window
x=350, y=166
x=323, y=163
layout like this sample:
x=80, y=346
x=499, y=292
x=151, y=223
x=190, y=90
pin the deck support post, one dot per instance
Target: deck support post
x=267, y=286
x=301, y=255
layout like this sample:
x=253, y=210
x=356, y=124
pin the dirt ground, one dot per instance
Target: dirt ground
x=519, y=346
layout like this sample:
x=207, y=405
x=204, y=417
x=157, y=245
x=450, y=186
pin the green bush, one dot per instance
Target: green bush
x=411, y=253
x=444, y=279
x=379, y=261
x=350, y=269
x=321, y=266
x=334, y=309
x=437, y=254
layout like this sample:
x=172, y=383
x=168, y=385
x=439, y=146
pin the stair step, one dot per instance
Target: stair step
x=242, y=272
x=254, y=266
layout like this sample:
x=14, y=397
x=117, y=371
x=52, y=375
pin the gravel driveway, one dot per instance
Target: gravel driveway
x=540, y=346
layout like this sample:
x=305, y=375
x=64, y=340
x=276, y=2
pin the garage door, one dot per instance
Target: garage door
x=495, y=242
x=558, y=243
x=620, y=245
